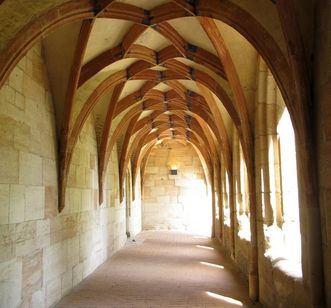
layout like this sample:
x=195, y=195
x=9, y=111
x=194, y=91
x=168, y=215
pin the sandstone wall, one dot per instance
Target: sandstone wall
x=175, y=202
x=43, y=254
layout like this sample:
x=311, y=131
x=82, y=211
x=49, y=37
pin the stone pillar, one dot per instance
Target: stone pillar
x=237, y=175
x=221, y=196
x=213, y=202
x=271, y=138
x=280, y=105
x=263, y=177
x=219, y=205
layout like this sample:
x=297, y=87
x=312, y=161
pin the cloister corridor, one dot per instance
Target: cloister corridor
x=201, y=129
x=163, y=269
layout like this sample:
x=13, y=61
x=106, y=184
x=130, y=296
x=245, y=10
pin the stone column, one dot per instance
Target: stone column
x=280, y=105
x=263, y=177
x=237, y=175
x=271, y=137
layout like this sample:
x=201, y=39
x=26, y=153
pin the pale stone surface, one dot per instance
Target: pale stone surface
x=17, y=203
x=32, y=273
x=53, y=291
x=175, y=201
x=35, y=202
x=30, y=169
x=16, y=79
x=49, y=172
x=11, y=283
x=7, y=242
x=77, y=273
x=19, y=101
x=4, y=203
x=73, y=252
x=66, y=282
x=54, y=261
x=8, y=165
x=38, y=299
x=26, y=238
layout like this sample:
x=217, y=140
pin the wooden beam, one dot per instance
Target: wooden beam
x=168, y=32
x=126, y=153
x=105, y=136
x=72, y=85
x=127, y=49
x=111, y=81
x=226, y=11
x=119, y=10
x=137, y=165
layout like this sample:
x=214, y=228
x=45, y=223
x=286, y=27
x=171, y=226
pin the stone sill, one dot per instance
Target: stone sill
x=290, y=268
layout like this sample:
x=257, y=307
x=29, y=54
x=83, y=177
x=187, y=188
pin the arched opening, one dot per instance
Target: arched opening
x=242, y=198
x=290, y=201
x=279, y=179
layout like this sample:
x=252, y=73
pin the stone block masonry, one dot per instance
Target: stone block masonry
x=44, y=254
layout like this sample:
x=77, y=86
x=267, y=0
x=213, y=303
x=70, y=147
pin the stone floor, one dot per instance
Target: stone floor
x=163, y=269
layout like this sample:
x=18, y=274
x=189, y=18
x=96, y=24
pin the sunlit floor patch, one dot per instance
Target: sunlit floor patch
x=204, y=247
x=212, y=265
x=227, y=299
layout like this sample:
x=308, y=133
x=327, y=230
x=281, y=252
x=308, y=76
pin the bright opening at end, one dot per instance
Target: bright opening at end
x=227, y=299
x=179, y=200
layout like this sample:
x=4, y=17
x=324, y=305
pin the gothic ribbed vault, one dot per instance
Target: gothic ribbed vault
x=150, y=71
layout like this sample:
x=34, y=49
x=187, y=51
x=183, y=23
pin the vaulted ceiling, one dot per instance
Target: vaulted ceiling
x=151, y=70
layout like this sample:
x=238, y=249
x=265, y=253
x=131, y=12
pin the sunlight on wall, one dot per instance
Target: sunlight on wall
x=272, y=183
x=244, y=230
x=217, y=206
x=181, y=201
x=291, y=226
x=226, y=201
x=197, y=207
